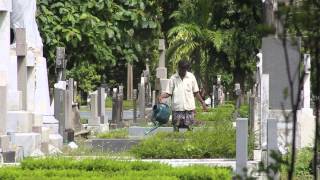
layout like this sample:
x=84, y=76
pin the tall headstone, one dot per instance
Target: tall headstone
x=94, y=118
x=272, y=146
x=60, y=64
x=101, y=105
x=21, y=51
x=129, y=81
x=161, y=71
x=5, y=9
x=142, y=99
x=305, y=117
x=135, y=105
x=274, y=63
x=242, y=146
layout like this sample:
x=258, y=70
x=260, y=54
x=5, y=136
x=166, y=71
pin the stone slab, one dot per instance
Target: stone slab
x=6, y=5
x=9, y=157
x=3, y=108
x=4, y=143
x=137, y=131
x=19, y=121
x=15, y=103
x=161, y=72
x=274, y=64
x=29, y=141
x=56, y=140
x=114, y=145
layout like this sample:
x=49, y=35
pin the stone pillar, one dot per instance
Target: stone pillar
x=142, y=99
x=306, y=81
x=60, y=105
x=101, y=105
x=5, y=9
x=129, y=81
x=60, y=64
x=153, y=98
x=21, y=51
x=134, y=106
x=264, y=107
x=241, y=146
x=3, y=104
x=31, y=81
x=272, y=145
x=161, y=71
x=94, y=119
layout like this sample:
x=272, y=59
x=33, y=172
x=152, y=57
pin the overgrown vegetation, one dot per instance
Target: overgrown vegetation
x=115, y=134
x=214, y=142
x=66, y=168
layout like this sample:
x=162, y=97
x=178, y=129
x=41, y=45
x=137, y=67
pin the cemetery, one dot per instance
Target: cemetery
x=94, y=90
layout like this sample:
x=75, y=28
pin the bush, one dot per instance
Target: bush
x=214, y=142
x=221, y=113
x=115, y=134
x=67, y=168
x=244, y=111
x=127, y=104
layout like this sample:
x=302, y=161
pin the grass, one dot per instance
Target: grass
x=68, y=168
x=122, y=133
x=127, y=104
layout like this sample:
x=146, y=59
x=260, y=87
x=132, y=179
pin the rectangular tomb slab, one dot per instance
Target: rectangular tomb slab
x=114, y=145
x=29, y=141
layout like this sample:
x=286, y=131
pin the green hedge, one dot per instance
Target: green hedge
x=213, y=142
x=221, y=113
x=66, y=168
x=127, y=104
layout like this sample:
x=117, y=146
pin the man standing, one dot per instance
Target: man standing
x=183, y=87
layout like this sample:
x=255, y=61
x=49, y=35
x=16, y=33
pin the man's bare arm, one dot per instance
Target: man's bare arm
x=204, y=106
x=163, y=96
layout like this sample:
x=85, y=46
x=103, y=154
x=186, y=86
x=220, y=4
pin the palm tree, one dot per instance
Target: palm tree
x=192, y=37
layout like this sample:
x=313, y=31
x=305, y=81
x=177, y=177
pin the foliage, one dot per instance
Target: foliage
x=66, y=168
x=127, y=104
x=244, y=111
x=222, y=113
x=213, y=34
x=206, y=143
x=97, y=35
x=115, y=134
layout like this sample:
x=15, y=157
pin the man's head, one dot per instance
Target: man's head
x=183, y=66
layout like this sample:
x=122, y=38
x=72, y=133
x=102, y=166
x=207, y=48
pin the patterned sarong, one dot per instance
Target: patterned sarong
x=182, y=119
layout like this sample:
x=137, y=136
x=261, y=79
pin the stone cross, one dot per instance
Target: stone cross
x=60, y=63
x=21, y=51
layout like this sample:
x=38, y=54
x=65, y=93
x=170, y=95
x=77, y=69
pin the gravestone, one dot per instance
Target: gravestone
x=101, y=106
x=129, y=81
x=274, y=63
x=142, y=99
x=241, y=146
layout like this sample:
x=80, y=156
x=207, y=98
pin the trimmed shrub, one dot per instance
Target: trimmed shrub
x=115, y=134
x=214, y=142
x=96, y=169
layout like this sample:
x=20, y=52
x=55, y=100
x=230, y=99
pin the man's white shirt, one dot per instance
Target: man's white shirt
x=182, y=91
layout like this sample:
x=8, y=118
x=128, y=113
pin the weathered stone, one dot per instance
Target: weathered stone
x=161, y=72
x=56, y=140
x=114, y=145
x=94, y=119
x=29, y=141
x=101, y=106
x=21, y=42
x=274, y=64
x=4, y=143
x=241, y=146
x=19, y=121
x=3, y=104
